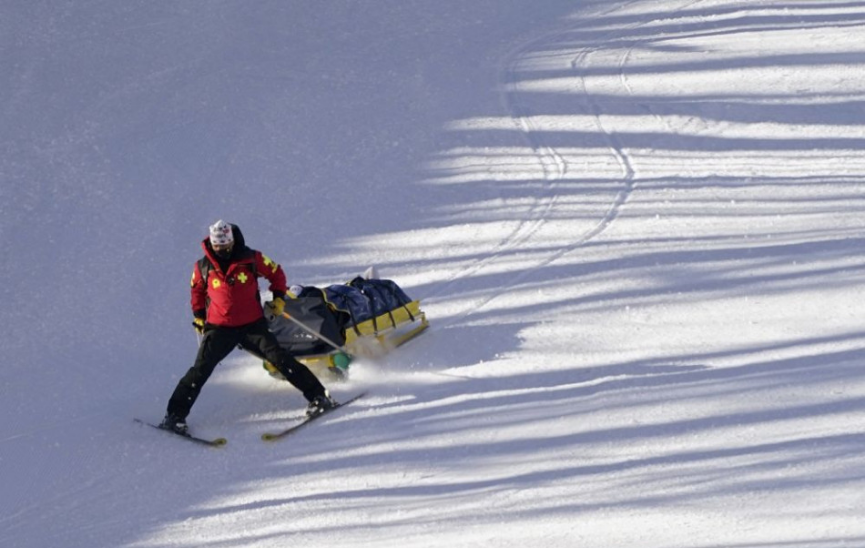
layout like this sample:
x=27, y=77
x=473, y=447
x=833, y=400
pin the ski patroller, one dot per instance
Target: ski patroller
x=216, y=442
x=273, y=436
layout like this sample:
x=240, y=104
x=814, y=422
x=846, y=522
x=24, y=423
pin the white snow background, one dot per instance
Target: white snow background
x=636, y=228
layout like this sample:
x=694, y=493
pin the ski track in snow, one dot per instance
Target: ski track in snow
x=554, y=165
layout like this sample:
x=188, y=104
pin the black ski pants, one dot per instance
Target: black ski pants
x=218, y=342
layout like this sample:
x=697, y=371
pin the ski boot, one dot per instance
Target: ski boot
x=319, y=405
x=175, y=424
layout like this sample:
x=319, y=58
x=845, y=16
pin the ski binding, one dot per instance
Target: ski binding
x=216, y=442
x=274, y=436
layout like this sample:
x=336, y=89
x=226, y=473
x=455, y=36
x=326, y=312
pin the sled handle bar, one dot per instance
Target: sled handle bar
x=314, y=333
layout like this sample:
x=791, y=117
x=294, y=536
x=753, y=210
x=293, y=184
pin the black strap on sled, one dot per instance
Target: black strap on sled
x=407, y=311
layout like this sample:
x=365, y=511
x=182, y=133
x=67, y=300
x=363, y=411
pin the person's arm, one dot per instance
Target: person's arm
x=274, y=274
x=198, y=294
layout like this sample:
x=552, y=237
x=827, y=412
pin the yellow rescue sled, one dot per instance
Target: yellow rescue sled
x=326, y=328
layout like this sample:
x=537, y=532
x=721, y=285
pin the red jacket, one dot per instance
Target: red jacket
x=231, y=298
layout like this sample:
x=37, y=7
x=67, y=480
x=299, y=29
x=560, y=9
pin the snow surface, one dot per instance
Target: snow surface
x=636, y=228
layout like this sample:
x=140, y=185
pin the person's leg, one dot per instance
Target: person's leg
x=258, y=336
x=216, y=344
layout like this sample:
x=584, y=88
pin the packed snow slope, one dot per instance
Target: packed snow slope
x=636, y=228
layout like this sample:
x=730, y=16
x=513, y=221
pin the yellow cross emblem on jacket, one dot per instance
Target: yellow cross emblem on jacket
x=243, y=277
